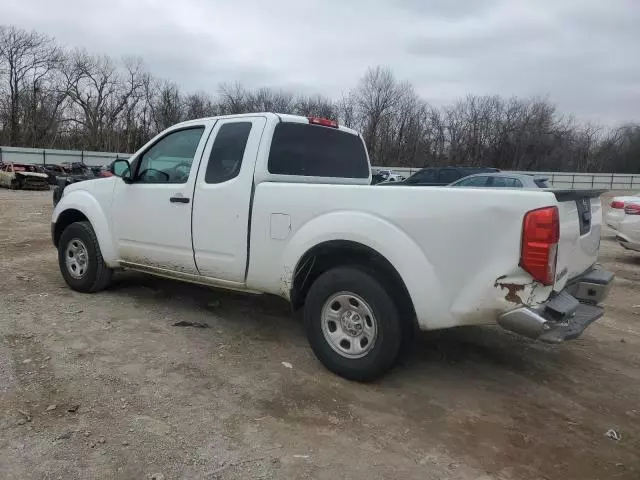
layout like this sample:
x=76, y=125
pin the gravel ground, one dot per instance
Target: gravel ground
x=104, y=386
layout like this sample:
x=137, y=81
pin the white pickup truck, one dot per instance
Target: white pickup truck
x=280, y=204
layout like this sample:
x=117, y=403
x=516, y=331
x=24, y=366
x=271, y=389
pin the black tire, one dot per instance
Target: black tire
x=57, y=194
x=97, y=275
x=379, y=359
x=409, y=330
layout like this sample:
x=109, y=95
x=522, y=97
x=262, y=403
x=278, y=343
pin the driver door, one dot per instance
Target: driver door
x=152, y=215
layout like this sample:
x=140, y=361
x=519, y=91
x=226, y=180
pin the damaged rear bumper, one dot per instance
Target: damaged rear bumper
x=567, y=314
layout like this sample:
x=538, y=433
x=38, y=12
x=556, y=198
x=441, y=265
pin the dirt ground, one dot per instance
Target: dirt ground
x=104, y=386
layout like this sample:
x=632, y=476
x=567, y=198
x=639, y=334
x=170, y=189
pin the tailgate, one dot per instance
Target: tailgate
x=580, y=227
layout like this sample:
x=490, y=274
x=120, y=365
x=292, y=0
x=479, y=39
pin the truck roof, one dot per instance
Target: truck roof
x=281, y=117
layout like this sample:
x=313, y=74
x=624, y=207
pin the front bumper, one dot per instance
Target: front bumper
x=567, y=314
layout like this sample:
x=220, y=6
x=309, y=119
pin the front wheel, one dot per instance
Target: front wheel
x=80, y=259
x=352, y=323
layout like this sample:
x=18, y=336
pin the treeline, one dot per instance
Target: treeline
x=70, y=99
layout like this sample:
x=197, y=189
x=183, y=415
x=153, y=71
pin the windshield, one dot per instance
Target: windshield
x=541, y=182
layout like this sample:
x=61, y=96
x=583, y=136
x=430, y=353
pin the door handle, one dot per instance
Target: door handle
x=179, y=199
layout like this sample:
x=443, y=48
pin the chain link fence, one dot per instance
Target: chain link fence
x=577, y=180
x=46, y=156
x=611, y=181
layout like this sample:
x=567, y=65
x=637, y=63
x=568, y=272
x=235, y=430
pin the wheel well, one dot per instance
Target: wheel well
x=331, y=254
x=65, y=219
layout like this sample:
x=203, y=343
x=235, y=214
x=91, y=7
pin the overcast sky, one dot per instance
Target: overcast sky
x=580, y=54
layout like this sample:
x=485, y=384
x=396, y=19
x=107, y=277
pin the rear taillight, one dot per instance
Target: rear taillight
x=617, y=204
x=540, y=237
x=324, y=122
x=632, y=209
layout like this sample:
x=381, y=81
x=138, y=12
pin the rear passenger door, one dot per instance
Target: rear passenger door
x=222, y=198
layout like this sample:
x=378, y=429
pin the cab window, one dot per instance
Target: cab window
x=227, y=152
x=170, y=159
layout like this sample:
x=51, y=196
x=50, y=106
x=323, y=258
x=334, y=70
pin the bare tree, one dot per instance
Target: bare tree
x=129, y=128
x=315, y=106
x=233, y=98
x=346, y=110
x=268, y=100
x=53, y=98
x=99, y=93
x=41, y=110
x=377, y=97
x=166, y=105
x=26, y=60
x=198, y=105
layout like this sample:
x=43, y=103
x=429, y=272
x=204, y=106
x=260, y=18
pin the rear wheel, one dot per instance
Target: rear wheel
x=80, y=259
x=352, y=323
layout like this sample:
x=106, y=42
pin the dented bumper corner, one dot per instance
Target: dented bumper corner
x=566, y=314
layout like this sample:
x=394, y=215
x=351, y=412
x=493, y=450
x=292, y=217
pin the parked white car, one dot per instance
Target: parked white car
x=280, y=204
x=502, y=180
x=615, y=214
x=628, y=234
x=390, y=176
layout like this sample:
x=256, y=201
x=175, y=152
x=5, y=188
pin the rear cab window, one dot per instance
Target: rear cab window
x=316, y=151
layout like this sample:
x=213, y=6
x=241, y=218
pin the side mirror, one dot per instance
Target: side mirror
x=121, y=168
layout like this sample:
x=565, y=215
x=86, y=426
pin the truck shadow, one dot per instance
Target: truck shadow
x=262, y=318
x=476, y=345
x=460, y=361
x=146, y=287
x=270, y=318
x=495, y=359
x=633, y=258
x=481, y=392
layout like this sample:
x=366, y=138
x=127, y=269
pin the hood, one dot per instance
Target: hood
x=32, y=174
x=75, y=178
x=91, y=185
